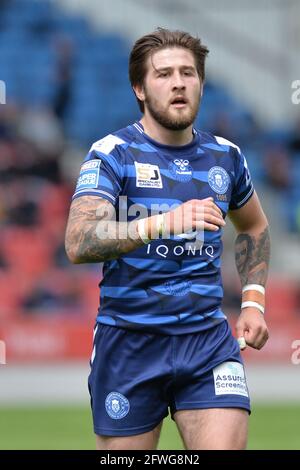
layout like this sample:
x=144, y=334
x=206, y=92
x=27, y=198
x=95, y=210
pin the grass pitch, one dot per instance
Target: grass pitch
x=58, y=427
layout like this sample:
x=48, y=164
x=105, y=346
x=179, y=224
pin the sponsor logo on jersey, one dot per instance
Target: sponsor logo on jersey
x=185, y=249
x=117, y=406
x=91, y=165
x=147, y=175
x=229, y=379
x=89, y=175
x=178, y=288
x=218, y=179
x=181, y=170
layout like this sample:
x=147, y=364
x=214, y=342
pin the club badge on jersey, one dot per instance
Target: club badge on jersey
x=218, y=179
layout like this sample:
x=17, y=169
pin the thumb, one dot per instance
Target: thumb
x=240, y=333
x=242, y=342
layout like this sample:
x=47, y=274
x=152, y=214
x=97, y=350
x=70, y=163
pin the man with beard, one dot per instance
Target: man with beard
x=150, y=204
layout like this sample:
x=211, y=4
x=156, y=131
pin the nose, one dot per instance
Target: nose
x=178, y=82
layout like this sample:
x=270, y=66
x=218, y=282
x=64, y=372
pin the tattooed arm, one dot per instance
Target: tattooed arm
x=252, y=255
x=252, y=245
x=92, y=234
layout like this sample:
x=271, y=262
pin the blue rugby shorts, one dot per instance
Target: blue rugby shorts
x=137, y=377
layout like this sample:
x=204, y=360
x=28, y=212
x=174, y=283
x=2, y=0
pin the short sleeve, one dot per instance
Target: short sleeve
x=101, y=173
x=243, y=186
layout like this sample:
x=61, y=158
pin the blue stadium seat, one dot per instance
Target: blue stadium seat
x=101, y=97
x=24, y=14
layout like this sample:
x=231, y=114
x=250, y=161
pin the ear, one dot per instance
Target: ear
x=139, y=92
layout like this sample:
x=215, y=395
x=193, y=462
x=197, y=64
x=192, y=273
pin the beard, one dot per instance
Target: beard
x=166, y=119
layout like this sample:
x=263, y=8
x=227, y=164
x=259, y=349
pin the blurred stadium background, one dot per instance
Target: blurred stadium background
x=64, y=64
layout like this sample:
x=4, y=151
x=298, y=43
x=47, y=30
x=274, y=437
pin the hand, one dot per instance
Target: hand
x=196, y=214
x=252, y=326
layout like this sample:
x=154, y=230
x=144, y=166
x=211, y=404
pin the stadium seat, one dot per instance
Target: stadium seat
x=9, y=297
x=27, y=250
x=282, y=303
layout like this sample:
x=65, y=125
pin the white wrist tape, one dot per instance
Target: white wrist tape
x=250, y=303
x=160, y=227
x=257, y=287
x=242, y=342
x=160, y=223
x=141, y=231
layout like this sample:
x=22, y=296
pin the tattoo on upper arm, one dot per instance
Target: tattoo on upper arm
x=92, y=233
x=252, y=255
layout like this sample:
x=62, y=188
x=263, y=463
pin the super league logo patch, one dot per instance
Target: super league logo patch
x=89, y=175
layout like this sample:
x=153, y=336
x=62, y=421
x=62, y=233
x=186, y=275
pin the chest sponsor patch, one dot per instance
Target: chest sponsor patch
x=147, y=175
x=229, y=379
x=89, y=175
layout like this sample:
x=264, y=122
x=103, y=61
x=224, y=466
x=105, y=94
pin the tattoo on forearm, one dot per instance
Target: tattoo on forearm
x=252, y=255
x=92, y=236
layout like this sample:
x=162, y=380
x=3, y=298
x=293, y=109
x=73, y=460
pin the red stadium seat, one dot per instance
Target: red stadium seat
x=281, y=300
x=27, y=250
x=10, y=296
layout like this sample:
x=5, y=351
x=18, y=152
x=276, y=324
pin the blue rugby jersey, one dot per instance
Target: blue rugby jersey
x=169, y=286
